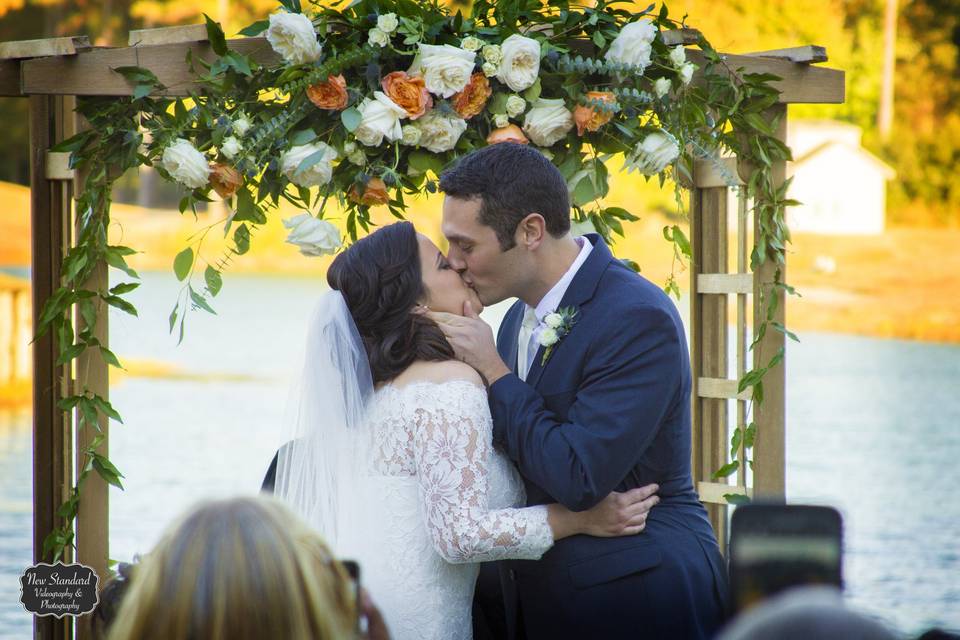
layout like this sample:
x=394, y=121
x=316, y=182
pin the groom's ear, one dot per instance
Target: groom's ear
x=530, y=232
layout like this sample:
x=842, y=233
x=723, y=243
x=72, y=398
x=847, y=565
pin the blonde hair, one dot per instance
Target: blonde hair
x=245, y=568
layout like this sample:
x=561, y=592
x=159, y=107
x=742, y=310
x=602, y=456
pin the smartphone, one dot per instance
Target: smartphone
x=353, y=570
x=775, y=546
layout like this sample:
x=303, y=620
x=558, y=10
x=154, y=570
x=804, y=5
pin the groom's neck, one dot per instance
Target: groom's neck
x=552, y=259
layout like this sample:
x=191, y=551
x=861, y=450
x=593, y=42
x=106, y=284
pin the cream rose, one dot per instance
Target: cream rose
x=654, y=153
x=500, y=120
x=548, y=121
x=471, y=43
x=686, y=72
x=521, y=62
x=445, y=69
x=312, y=236
x=411, y=135
x=319, y=173
x=439, y=133
x=678, y=55
x=492, y=53
x=292, y=36
x=185, y=164
x=489, y=69
x=661, y=87
x=548, y=337
x=515, y=106
x=241, y=125
x=378, y=38
x=632, y=45
x=388, y=22
x=230, y=147
x=380, y=118
x=553, y=320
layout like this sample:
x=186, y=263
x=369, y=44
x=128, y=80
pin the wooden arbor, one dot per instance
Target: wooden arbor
x=51, y=73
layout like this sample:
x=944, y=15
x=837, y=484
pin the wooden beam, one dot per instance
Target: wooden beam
x=10, y=78
x=713, y=492
x=67, y=46
x=810, y=54
x=681, y=36
x=58, y=166
x=801, y=83
x=722, y=172
x=168, y=35
x=721, y=389
x=721, y=283
x=92, y=72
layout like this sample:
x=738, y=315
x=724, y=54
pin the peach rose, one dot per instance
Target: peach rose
x=331, y=94
x=473, y=98
x=590, y=119
x=373, y=194
x=224, y=179
x=409, y=92
x=509, y=133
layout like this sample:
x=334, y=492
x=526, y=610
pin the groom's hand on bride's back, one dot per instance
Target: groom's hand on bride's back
x=472, y=340
x=621, y=514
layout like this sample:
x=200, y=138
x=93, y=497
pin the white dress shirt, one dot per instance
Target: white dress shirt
x=532, y=325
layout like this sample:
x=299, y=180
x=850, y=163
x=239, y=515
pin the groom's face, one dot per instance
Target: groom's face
x=475, y=251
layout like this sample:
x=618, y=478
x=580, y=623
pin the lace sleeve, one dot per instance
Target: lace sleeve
x=452, y=445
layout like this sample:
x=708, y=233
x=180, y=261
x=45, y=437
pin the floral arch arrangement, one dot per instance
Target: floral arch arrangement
x=365, y=103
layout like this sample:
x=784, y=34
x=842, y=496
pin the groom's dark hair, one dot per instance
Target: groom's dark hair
x=381, y=281
x=512, y=181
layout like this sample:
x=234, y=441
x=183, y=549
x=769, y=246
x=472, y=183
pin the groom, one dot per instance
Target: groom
x=591, y=400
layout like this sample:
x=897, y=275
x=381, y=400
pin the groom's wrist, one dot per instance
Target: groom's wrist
x=495, y=372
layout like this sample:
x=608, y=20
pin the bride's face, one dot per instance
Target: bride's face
x=446, y=291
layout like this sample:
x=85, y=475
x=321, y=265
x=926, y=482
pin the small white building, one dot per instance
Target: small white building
x=842, y=185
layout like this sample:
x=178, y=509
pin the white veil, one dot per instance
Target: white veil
x=321, y=468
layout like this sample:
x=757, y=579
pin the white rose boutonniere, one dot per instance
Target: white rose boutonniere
x=293, y=37
x=559, y=323
x=312, y=236
x=521, y=62
x=185, y=164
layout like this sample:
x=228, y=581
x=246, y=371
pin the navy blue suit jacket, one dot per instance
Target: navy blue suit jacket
x=610, y=411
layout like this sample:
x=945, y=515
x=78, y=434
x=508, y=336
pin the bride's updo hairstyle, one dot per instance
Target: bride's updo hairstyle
x=381, y=280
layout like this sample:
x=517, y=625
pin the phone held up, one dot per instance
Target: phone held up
x=774, y=547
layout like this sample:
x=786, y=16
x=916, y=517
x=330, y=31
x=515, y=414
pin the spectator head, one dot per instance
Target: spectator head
x=238, y=569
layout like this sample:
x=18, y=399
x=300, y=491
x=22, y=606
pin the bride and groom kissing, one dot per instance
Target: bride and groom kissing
x=558, y=456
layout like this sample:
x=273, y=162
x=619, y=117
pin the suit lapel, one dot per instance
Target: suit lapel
x=508, y=334
x=581, y=289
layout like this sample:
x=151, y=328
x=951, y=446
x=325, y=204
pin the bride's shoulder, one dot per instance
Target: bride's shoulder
x=448, y=371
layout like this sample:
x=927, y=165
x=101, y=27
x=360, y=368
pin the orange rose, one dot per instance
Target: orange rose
x=409, y=92
x=224, y=179
x=473, y=98
x=509, y=133
x=590, y=119
x=331, y=94
x=373, y=194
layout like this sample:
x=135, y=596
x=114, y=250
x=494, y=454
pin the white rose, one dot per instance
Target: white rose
x=312, y=236
x=548, y=338
x=185, y=164
x=230, y=147
x=241, y=125
x=319, y=173
x=553, y=320
x=678, y=55
x=548, y=122
x=500, y=120
x=411, y=135
x=661, y=87
x=292, y=36
x=515, y=106
x=445, y=69
x=686, y=72
x=492, y=54
x=440, y=133
x=632, y=45
x=388, y=22
x=377, y=37
x=379, y=118
x=471, y=43
x=654, y=153
x=521, y=62
x=489, y=69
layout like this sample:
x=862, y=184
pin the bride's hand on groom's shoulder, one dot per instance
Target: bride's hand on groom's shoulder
x=472, y=341
x=621, y=514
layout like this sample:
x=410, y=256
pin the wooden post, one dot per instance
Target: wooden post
x=708, y=220
x=52, y=469
x=769, y=463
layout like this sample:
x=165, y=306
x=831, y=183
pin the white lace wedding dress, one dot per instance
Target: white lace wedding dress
x=443, y=499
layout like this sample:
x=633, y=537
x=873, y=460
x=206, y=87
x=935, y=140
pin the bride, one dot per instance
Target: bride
x=391, y=455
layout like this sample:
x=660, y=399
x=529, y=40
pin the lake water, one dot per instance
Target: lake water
x=872, y=430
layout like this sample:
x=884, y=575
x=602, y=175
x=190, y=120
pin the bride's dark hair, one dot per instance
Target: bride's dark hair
x=381, y=280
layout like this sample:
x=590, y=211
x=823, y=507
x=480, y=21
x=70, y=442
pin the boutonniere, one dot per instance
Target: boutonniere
x=559, y=323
